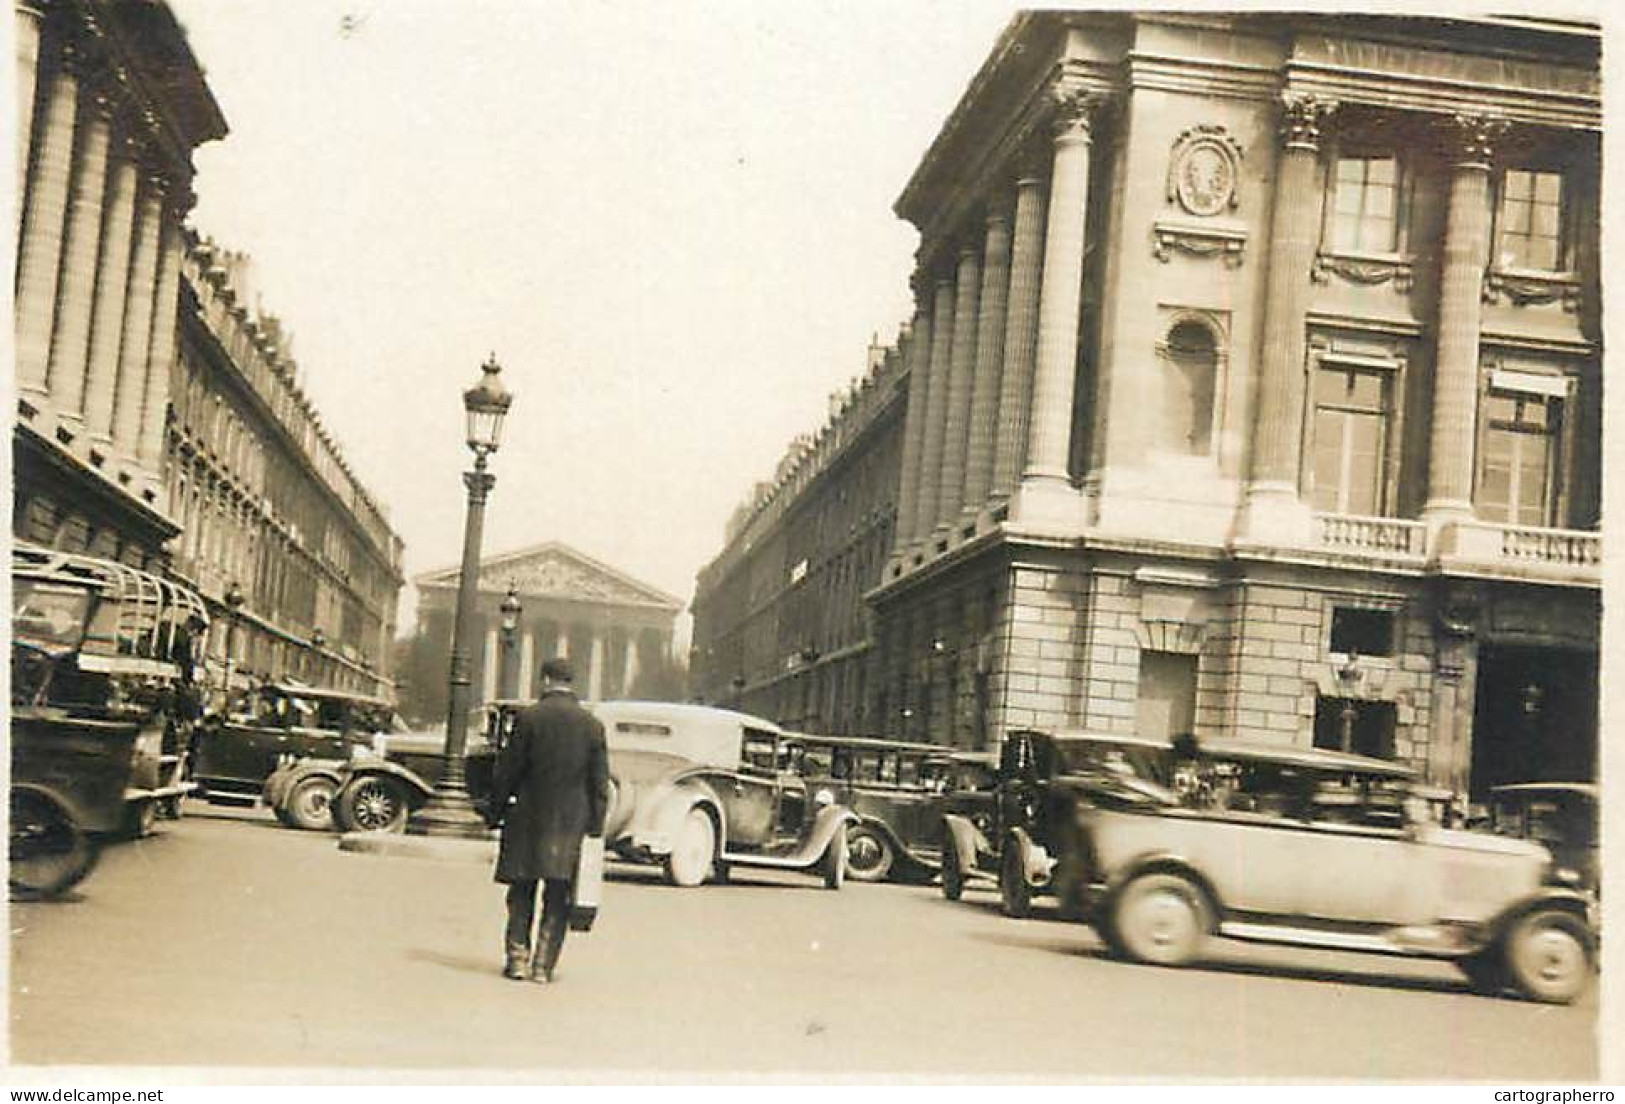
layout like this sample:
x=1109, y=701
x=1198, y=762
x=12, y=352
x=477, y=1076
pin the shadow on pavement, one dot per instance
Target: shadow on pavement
x=468, y=964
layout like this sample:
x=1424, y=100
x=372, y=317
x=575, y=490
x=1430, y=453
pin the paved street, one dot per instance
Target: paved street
x=228, y=940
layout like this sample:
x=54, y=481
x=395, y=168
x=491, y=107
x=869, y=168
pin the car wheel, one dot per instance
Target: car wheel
x=869, y=855
x=374, y=804
x=1486, y=970
x=693, y=850
x=1160, y=918
x=1015, y=895
x=953, y=878
x=140, y=818
x=834, y=863
x=1548, y=955
x=309, y=805
x=49, y=854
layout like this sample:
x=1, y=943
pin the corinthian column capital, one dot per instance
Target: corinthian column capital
x=1301, y=116
x=1474, y=138
x=1076, y=112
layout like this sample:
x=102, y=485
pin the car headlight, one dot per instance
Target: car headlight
x=1567, y=877
x=824, y=797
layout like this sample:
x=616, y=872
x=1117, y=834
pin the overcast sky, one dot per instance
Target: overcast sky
x=670, y=221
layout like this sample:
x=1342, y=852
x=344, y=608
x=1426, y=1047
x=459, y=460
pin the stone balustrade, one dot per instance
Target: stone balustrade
x=1371, y=535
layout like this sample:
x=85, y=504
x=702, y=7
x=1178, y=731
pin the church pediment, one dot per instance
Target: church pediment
x=559, y=572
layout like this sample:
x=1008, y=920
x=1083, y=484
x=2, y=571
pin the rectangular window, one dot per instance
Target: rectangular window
x=1350, y=440
x=1166, y=704
x=1517, y=480
x=1366, y=204
x=1532, y=221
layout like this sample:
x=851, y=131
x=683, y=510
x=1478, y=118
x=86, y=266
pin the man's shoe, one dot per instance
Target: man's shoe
x=518, y=963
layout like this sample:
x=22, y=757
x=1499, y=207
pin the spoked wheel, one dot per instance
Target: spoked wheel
x=953, y=878
x=1015, y=895
x=309, y=805
x=692, y=851
x=833, y=864
x=1160, y=918
x=49, y=854
x=1548, y=956
x=869, y=855
x=374, y=805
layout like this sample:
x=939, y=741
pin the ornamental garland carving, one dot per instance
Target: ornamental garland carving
x=1368, y=271
x=1531, y=289
x=1203, y=170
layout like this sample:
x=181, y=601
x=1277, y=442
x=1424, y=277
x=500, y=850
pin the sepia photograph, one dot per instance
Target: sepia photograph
x=821, y=542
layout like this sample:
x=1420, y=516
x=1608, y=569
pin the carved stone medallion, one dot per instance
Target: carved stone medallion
x=1203, y=170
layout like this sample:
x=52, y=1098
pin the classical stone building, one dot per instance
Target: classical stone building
x=111, y=104
x=265, y=499
x=616, y=630
x=1253, y=389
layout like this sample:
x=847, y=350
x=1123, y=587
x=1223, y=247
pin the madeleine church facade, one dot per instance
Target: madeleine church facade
x=1253, y=389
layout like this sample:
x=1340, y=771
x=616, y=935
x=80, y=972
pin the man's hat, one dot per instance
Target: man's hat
x=558, y=670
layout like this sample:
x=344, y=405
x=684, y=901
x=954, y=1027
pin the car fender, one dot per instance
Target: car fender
x=829, y=821
x=968, y=838
x=1557, y=898
x=1036, y=863
x=416, y=788
x=658, y=816
x=1162, y=862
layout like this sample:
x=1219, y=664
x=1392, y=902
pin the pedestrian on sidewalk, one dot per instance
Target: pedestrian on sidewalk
x=555, y=768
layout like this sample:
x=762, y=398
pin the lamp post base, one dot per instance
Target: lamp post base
x=448, y=813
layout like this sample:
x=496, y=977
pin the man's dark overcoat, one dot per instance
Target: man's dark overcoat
x=556, y=767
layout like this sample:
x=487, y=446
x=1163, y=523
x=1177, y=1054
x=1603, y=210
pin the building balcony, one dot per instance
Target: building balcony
x=1572, y=556
x=1368, y=536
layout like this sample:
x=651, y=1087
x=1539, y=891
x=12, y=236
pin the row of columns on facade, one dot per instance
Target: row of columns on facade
x=992, y=350
x=99, y=246
x=531, y=647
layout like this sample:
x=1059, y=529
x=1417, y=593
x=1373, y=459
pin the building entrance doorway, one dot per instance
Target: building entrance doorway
x=1534, y=718
x=1167, y=703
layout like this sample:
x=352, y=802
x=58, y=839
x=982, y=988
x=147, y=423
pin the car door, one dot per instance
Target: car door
x=750, y=794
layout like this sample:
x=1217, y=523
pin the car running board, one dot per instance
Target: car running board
x=1420, y=940
x=786, y=862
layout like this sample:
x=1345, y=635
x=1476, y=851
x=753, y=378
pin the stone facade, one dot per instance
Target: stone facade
x=265, y=498
x=1295, y=404
x=615, y=630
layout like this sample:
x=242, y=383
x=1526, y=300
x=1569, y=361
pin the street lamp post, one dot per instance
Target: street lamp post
x=508, y=674
x=449, y=812
x=318, y=644
x=234, y=599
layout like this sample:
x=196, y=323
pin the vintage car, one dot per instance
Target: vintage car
x=898, y=792
x=379, y=787
x=233, y=755
x=1561, y=816
x=1327, y=849
x=701, y=790
x=102, y=702
x=1009, y=827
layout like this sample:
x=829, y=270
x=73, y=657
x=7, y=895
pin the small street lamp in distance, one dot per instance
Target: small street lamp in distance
x=234, y=599
x=449, y=812
x=508, y=672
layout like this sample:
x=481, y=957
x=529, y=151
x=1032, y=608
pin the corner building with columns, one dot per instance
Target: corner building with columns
x=111, y=104
x=1253, y=389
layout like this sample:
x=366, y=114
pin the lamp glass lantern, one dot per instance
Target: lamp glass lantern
x=511, y=609
x=486, y=404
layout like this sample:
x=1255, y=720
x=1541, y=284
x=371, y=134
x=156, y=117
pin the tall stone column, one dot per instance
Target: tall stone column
x=951, y=485
x=70, y=343
x=1046, y=483
x=1020, y=334
x=165, y=319
x=29, y=15
x=918, y=357
x=986, y=377
x=134, y=361
x=1455, y=380
x=936, y=411
x=1273, y=512
x=595, y=667
x=39, y=259
x=527, y=663
x=112, y=279
x=629, y=673
x=489, y=665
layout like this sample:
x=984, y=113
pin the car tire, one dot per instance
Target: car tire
x=1549, y=956
x=1486, y=970
x=1015, y=895
x=373, y=803
x=309, y=805
x=49, y=853
x=833, y=864
x=693, y=851
x=869, y=854
x=1161, y=919
x=953, y=876
x=140, y=818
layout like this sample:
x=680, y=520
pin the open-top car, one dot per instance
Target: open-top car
x=1326, y=849
x=898, y=791
x=701, y=790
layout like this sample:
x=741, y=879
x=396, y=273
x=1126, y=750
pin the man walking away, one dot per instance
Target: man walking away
x=555, y=768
